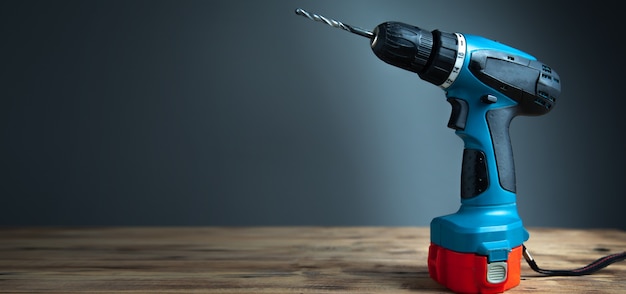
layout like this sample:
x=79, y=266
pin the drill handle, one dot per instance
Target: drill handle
x=488, y=168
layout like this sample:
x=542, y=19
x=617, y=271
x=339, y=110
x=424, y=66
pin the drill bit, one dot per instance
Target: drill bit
x=335, y=24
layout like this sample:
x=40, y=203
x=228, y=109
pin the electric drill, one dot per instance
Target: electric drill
x=478, y=249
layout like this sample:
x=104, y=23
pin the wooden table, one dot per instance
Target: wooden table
x=272, y=260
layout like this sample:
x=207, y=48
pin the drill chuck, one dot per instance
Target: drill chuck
x=431, y=55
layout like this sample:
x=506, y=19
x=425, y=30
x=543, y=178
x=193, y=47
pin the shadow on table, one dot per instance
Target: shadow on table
x=396, y=277
x=370, y=277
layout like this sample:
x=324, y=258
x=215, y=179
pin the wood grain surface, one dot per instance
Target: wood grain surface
x=272, y=260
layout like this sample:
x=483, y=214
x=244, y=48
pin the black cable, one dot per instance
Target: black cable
x=585, y=270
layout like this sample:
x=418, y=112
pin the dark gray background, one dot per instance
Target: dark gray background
x=242, y=113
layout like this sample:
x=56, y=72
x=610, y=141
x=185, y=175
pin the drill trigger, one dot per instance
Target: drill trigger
x=458, y=117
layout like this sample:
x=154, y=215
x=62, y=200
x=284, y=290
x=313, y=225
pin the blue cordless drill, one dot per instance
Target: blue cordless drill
x=478, y=249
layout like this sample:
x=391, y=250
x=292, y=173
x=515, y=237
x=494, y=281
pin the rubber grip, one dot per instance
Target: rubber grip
x=474, y=174
x=499, y=121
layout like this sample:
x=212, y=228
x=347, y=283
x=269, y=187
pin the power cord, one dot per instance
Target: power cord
x=585, y=270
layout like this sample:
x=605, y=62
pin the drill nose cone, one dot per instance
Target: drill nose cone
x=402, y=45
x=375, y=38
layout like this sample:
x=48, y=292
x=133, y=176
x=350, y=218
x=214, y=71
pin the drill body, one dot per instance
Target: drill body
x=478, y=249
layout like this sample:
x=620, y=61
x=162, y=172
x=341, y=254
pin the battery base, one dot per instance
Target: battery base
x=472, y=273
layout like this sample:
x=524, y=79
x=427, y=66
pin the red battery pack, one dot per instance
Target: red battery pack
x=471, y=273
